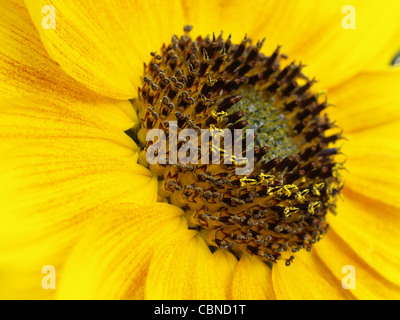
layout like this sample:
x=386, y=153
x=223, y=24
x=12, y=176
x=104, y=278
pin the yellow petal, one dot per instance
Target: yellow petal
x=252, y=280
x=335, y=54
x=309, y=31
x=225, y=264
x=183, y=268
x=103, y=44
x=341, y=261
x=366, y=101
x=27, y=69
x=371, y=230
x=306, y=279
x=112, y=259
x=60, y=165
x=373, y=163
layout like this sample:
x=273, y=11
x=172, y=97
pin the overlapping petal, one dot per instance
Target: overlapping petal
x=225, y=264
x=340, y=259
x=111, y=261
x=252, y=280
x=371, y=230
x=308, y=31
x=103, y=44
x=306, y=279
x=61, y=163
x=26, y=69
x=64, y=156
x=183, y=268
x=373, y=164
x=369, y=100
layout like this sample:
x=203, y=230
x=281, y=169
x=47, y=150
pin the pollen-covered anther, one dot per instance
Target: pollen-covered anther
x=279, y=207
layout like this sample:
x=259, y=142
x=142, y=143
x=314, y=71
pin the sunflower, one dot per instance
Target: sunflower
x=77, y=194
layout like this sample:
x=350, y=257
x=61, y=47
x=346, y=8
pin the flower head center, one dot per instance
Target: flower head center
x=280, y=205
x=271, y=126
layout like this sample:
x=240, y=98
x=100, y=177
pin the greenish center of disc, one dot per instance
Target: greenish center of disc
x=268, y=122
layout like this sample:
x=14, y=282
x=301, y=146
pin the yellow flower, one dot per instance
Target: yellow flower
x=74, y=197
